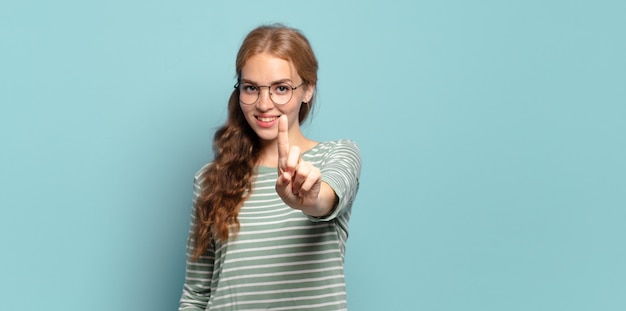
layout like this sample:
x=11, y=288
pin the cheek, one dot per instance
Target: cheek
x=244, y=112
x=245, y=108
x=292, y=108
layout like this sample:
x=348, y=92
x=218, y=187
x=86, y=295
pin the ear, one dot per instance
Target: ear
x=308, y=95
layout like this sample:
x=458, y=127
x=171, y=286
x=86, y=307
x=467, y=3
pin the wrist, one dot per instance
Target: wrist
x=326, y=203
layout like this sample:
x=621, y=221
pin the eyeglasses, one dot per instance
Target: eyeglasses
x=280, y=93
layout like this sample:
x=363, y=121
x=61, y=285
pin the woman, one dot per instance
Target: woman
x=270, y=214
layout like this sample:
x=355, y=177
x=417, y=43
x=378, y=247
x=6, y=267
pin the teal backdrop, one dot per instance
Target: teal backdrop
x=493, y=135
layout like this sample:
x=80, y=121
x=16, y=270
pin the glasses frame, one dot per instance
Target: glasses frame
x=269, y=90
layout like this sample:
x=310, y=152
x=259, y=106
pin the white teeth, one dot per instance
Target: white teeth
x=266, y=119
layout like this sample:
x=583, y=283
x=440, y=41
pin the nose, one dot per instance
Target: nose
x=264, y=102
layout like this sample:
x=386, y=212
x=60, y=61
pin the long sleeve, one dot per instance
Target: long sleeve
x=341, y=169
x=197, y=286
x=281, y=258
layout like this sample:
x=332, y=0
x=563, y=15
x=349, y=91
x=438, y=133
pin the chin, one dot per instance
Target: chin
x=265, y=134
x=267, y=138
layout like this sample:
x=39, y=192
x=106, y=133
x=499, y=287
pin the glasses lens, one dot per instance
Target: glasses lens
x=248, y=93
x=281, y=93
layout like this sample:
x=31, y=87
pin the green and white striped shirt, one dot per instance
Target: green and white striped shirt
x=281, y=259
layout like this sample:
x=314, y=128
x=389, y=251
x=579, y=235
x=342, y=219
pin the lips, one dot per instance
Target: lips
x=266, y=121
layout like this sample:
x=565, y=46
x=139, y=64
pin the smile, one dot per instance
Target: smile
x=266, y=119
x=266, y=122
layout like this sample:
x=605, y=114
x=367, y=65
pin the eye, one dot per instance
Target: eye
x=248, y=88
x=280, y=89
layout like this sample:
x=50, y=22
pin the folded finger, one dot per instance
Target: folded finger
x=300, y=176
x=293, y=159
x=314, y=178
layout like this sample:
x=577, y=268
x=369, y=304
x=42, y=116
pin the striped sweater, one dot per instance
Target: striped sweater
x=281, y=259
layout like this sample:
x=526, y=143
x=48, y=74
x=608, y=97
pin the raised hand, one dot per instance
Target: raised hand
x=299, y=182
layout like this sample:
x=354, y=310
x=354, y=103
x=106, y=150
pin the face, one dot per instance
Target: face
x=263, y=70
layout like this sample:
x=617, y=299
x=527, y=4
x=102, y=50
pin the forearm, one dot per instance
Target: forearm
x=197, y=287
x=326, y=202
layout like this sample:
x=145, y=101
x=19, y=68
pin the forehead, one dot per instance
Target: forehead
x=266, y=68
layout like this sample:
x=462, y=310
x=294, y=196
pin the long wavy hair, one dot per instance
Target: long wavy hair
x=236, y=147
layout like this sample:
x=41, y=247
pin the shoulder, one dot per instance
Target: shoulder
x=336, y=145
x=335, y=151
x=199, y=176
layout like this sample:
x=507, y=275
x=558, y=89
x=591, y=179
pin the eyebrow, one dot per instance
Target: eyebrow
x=271, y=83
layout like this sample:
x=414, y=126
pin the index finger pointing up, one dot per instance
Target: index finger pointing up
x=283, y=140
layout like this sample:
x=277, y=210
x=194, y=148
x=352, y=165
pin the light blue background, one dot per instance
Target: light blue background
x=492, y=134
